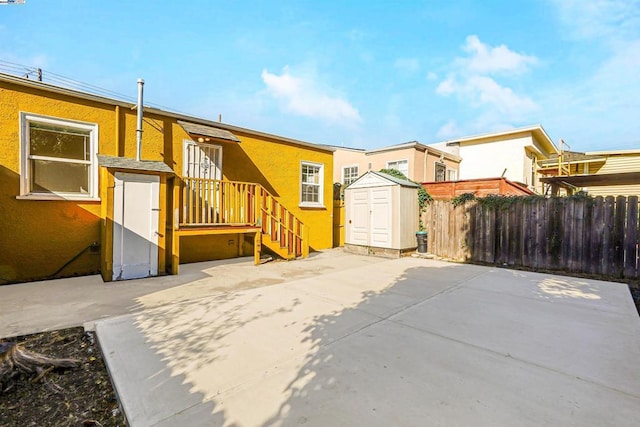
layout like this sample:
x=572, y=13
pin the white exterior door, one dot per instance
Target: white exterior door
x=135, y=226
x=202, y=160
x=359, y=217
x=381, y=217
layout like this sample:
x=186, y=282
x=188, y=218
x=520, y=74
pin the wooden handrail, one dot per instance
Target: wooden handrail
x=281, y=225
x=217, y=202
x=210, y=202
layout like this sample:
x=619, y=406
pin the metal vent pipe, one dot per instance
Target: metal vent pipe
x=139, y=126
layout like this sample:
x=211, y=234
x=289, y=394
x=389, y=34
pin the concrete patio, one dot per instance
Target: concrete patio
x=349, y=340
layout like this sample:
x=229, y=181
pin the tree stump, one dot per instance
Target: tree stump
x=15, y=359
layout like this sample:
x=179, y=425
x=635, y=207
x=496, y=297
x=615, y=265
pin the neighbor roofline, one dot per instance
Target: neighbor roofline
x=612, y=152
x=537, y=130
x=152, y=110
x=416, y=145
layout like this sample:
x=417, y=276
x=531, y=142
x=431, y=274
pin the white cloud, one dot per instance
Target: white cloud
x=407, y=65
x=485, y=90
x=303, y=96
x=487, y=59
x=449, y=130
x=474, y=80
x=601, y=19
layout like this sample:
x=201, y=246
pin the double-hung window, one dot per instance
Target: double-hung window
x=400, y=165
x=311, y=184
x=441, y=172
x=349, y=174
x=58, y=158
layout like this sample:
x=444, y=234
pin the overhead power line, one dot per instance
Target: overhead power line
x=36, y=73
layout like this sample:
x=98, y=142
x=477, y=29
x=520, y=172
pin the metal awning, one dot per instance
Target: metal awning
x=208, y=132
x=133, y=164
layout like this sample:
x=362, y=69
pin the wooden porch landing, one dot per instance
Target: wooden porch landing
x=204, y=230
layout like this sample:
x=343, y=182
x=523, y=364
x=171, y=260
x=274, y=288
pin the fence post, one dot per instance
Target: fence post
x=631, y=239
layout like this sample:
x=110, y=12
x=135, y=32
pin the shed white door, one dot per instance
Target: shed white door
x=359, y=217
x=135, y=226
x=370, y=216
x=381, y=217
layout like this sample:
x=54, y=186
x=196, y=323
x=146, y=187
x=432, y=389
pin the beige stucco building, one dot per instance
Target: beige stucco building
x=419, y=162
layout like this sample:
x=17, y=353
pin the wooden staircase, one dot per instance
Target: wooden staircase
x=213, y=206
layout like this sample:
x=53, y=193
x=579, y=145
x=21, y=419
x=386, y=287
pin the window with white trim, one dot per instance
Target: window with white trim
x=349, y=174
x=400, y=165
x=452, y=175
x=311, y=184
x=441, y=172
x=58, y=158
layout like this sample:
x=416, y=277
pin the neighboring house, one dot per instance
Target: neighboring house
x=416, y=161
x=600, y=173
x=512, y=154
x=75, y=200
x=481, y=187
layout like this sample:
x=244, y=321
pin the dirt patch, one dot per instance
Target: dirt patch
x=81, y=396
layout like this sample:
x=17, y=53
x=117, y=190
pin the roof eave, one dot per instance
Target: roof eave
x=178, y=116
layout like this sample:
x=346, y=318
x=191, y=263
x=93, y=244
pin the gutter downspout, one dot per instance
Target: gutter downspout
x=424, y=172
x=139, y=126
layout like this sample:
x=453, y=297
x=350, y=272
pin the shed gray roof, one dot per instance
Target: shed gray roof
x=132, y=164
x=204, y=130
x=403, y=182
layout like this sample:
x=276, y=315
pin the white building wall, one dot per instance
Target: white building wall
x=489, y=159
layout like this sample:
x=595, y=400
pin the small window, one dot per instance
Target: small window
x=311, y=184
x=349, y=174
x=441, y=172
x=400, y=165
x=58, y=158
x=452, y=175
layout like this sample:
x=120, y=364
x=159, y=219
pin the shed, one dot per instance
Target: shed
x=381, y=215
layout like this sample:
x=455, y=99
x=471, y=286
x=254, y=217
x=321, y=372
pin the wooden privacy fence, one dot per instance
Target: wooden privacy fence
x=581, y=235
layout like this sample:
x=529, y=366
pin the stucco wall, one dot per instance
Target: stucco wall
x=38, y=237
x=343, y=158
x=489, y=159
x=418, y=170
x=276, y=165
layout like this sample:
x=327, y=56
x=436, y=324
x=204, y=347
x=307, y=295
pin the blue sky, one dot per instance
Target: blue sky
x=355, y=73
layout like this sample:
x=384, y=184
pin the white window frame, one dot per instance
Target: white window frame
x=399, y=161
x=349, y=167
x=25, y=156
x=452, y=174
x=435, y=169
x=320, y=202
x=185, y=166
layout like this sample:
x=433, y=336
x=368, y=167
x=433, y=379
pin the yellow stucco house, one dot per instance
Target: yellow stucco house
x=77, y=195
